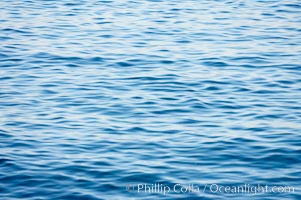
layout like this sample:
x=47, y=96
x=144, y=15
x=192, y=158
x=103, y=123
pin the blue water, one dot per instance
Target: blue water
x=98, y=95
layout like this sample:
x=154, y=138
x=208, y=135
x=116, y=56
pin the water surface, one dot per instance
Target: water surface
x=96, y=95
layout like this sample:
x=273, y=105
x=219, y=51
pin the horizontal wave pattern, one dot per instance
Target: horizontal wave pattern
x=98, y=95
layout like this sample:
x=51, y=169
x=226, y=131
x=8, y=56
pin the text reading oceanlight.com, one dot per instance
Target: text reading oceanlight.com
x=208, y=188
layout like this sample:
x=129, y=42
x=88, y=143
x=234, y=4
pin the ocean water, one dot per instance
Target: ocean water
x=106, y=99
